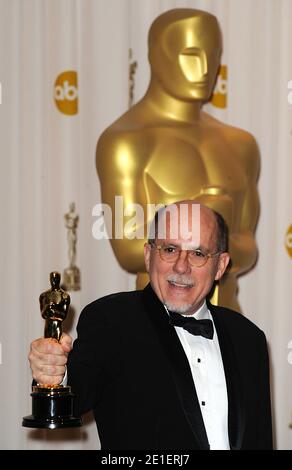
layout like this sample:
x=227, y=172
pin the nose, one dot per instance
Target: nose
x=182, y=264
x=194, y=64
x=203, y=63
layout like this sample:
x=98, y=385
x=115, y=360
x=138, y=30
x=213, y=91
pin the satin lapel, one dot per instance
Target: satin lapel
x=179, y=365
x=236, y=415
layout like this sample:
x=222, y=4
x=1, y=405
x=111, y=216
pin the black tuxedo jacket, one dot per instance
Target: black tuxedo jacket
x=129, y=367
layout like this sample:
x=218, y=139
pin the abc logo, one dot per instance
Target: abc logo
x=288, y=241
x=219, y=97
x=66, y=92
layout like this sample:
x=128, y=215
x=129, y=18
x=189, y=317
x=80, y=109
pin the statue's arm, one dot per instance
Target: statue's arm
x=242, y=242
x=120, y=166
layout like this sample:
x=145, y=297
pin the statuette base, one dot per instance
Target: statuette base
x=52, y=408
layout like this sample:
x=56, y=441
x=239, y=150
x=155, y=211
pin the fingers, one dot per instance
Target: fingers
x=51, y=346
x=66, y=342
x=48, y=379
x=47, y=346
x=49, y=375
x=48, y=359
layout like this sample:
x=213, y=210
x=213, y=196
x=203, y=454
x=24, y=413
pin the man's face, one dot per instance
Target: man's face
x=179, y=285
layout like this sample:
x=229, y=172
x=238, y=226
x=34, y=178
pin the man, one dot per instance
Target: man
x=155, y=377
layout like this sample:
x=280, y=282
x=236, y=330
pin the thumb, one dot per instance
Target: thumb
x=66, y=342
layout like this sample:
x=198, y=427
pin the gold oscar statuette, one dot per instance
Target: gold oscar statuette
x=167, y=148
x=71, y=275
x=52, y=405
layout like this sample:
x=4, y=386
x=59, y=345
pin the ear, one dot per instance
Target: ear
x=147, y=252
x=224, y=259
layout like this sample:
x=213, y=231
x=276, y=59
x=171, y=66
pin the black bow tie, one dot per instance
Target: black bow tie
x=196, y=327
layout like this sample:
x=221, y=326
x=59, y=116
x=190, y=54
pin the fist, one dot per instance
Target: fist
x=48, y=359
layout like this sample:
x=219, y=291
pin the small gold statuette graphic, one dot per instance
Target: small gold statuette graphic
x=71, y=275
x=52, y=405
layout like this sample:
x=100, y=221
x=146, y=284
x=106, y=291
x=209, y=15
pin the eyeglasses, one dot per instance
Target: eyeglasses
x=171, y=253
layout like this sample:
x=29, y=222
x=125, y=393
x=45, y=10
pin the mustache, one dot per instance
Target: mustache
x=180, y=279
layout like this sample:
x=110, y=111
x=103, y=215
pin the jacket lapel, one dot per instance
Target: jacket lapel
x=179, y=365
x=236, y=416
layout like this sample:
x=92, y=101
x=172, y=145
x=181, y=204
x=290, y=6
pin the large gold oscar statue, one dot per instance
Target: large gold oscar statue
x=165, y=148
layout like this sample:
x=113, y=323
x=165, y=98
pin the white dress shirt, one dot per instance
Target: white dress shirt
x=206, y=364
